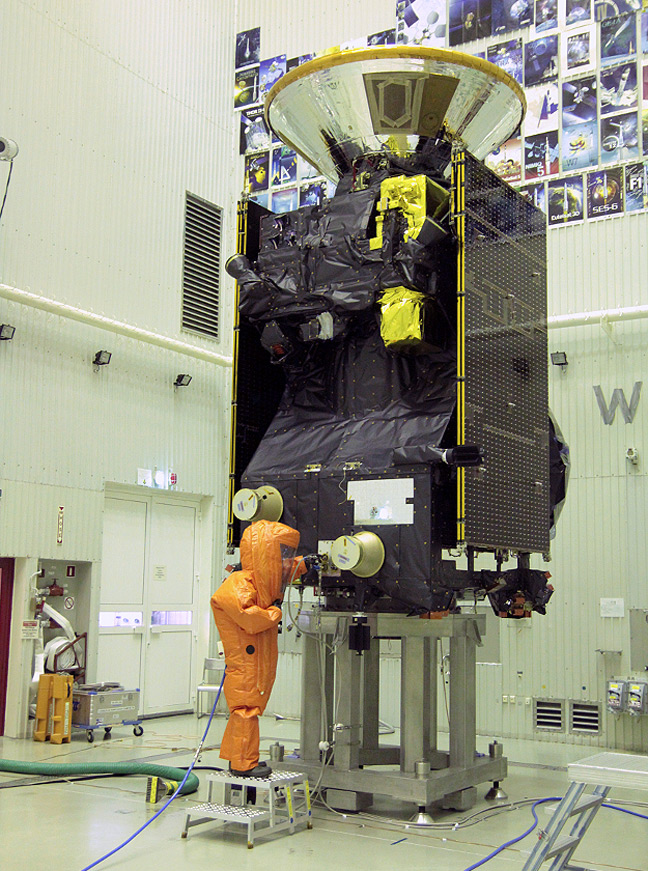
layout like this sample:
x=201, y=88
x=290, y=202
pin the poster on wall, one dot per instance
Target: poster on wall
x=540, y=60
x=605, y=193
x=579, y=146
x=618, y=89
x=542, y=109
x=305, y=169
x=535, y=193
x=578, y=51
x=579, y=101
x=619, y=138
x=469, y=20
x=546, y=15
x=506, y=161
x=644, y=32
x=286, y=200
x=511, y=15
x=284, y=166
x=310, y=194
x=263, y=199
x=421, y=22
x=508, y=57
x=248, y=44
x=541, y=156
x=256, y=172
x=270, y=71
x=565, y=200
x=246, y=87
x=636, y=187
x=255, y=135
x=604, y=9
x=618, y=39
x=383, y=37
x=577, y=12
x=293, y=62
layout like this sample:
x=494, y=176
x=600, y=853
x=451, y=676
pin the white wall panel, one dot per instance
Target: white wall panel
x=117, y=109
x=300, y=28
x=29, y=518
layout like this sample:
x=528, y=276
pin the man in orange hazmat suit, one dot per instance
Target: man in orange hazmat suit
x=246, y=614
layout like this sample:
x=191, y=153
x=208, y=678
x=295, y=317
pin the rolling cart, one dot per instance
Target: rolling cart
x=102, y=706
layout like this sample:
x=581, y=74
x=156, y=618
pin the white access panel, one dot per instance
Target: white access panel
x=171, y=569
x=119, y=657
x=124, y=536
x=167, y=679
x=382, y=501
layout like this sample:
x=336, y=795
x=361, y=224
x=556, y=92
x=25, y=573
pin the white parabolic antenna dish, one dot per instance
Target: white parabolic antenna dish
x=339, y=107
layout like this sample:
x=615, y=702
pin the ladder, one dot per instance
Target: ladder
x=602, y=771
x=553, y=844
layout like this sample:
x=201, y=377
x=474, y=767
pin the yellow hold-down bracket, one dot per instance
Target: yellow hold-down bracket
x=422, y=202
x=401, y=318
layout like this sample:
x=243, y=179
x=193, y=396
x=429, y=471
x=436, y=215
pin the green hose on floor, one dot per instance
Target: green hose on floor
x=72, y=769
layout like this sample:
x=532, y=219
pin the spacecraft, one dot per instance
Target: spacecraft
x=391, y=366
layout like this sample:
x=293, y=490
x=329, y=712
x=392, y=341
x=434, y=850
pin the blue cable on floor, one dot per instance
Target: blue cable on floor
x=514, y=840
x=535, y=823
x=624, y=811
x=166, y=805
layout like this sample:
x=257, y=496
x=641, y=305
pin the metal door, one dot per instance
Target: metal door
x=147, y=619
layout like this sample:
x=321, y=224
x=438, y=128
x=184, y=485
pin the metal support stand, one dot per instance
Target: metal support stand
x=425, y=773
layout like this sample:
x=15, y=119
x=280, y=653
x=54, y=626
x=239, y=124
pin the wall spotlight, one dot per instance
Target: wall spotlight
x=102, y=358
x=8, y=148
x=559, y=358
x=6, y=332
x=182, y=380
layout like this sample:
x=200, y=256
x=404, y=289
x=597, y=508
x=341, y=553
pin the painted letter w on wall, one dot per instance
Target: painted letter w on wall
x=618, y=400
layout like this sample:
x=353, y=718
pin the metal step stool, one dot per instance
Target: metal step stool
x=603, y=771
x=288, y=803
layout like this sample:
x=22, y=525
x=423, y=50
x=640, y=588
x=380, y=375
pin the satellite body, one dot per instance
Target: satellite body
x=392, y=367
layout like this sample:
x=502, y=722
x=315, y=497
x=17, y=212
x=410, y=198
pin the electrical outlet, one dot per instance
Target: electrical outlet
x=512, y=700
x=505, y=700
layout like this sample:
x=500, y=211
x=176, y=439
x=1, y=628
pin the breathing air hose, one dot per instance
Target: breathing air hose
x=75, y=769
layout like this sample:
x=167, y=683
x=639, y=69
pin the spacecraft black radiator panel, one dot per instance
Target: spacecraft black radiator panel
x=506, y=502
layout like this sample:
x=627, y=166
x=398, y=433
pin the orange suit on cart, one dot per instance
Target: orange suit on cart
x=248, y=623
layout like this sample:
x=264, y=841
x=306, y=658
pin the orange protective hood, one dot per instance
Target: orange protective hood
x=261, y=554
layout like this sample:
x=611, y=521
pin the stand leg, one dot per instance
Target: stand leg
x=415, y=701
x=347, y=738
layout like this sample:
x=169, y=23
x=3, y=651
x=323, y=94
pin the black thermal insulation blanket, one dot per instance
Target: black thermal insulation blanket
x=313, y=295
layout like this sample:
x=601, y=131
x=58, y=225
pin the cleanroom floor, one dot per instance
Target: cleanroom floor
x=68, y=826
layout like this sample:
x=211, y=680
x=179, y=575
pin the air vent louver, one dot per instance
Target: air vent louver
x=548, y=714
x=201, y=266
x=584, y=717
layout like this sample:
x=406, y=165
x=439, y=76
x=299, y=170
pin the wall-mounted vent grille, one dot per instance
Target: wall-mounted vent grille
x=584, y=717
x=201, y=266
x=549, y=714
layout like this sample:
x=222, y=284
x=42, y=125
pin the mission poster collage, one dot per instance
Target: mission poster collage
x=582, y=150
